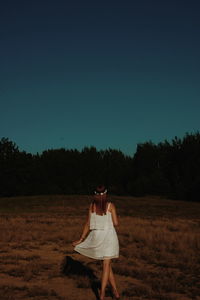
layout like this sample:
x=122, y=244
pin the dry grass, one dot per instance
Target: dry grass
x=159, y=249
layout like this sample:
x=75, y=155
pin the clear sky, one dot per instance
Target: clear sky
x=109, y=74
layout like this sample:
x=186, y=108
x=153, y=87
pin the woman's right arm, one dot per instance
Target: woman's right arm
x=114, y=215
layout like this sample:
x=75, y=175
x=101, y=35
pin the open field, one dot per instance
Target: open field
x=159, y=249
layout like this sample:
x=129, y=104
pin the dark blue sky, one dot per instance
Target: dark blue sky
x=101, y=73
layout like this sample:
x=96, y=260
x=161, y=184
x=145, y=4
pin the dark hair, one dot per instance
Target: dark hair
x=100, y=189
x=100, y=203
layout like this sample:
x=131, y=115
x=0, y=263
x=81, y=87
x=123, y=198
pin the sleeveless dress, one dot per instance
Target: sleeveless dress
x=102, y=241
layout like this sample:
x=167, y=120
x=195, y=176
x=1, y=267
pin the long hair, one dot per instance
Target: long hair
x=100, y=200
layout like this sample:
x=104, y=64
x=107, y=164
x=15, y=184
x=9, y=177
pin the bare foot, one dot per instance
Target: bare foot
x=101, y=297
x=116, y=294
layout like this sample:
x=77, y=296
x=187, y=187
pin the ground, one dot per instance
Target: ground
x=159, y=249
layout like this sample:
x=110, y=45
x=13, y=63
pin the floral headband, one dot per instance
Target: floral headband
x=100, y=193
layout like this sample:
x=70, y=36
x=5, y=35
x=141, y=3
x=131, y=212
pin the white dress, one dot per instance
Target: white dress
x=102, y=241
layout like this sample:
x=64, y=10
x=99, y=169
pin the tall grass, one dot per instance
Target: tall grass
x=159, y=248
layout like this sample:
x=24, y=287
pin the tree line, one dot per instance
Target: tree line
x=170, y=169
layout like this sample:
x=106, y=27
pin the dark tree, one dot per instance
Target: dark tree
x=168, y=168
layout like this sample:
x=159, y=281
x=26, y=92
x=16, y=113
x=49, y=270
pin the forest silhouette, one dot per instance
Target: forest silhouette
x=170, y=169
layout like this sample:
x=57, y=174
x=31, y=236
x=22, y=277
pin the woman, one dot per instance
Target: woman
x=102, y=241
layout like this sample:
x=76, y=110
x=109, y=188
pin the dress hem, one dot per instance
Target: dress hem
x=98, y=258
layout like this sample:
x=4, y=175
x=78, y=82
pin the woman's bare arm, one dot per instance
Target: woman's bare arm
x=85, y=231
x=114, y=215
x=86, y=228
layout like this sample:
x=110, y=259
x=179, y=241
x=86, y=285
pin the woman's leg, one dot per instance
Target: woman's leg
x=113, y=282
x=105, y=276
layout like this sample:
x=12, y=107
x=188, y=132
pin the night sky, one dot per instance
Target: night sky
x=109, y=74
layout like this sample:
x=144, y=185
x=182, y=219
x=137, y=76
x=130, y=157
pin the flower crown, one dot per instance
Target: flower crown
x=100, y=193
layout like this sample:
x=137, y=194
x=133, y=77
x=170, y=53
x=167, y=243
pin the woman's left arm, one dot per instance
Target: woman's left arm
x=86, y=229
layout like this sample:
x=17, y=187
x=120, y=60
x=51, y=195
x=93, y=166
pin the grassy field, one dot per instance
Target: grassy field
x=159, y=249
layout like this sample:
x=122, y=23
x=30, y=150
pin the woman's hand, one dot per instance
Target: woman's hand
x=77, y=242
